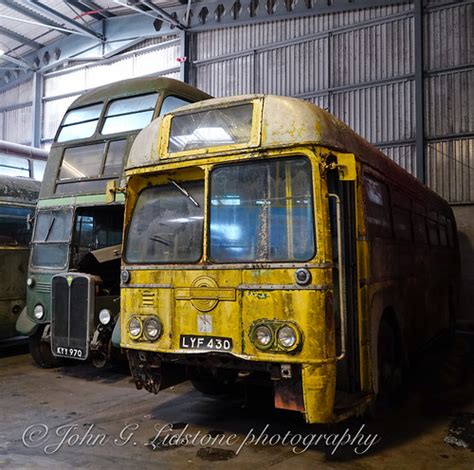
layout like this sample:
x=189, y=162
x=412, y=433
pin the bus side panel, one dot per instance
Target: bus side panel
x=13, y=266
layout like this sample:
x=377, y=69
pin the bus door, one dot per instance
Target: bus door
x=344, y=192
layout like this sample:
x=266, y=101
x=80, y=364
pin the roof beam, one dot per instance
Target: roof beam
x=164, y=14
x=157, y=15
x=90, y=9
x=78, y=27
x=31, y=14
x=18, y=62
x=20, y=38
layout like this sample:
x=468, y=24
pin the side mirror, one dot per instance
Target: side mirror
x=346, y=164
x=29, y=222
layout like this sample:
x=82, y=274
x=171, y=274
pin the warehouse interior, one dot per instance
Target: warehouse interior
x=399, y=73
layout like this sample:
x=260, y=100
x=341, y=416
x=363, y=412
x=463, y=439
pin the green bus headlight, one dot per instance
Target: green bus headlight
x=287, y=337
x=263, y=336
x=135, y=327
x=38, y=311
x=152, y=328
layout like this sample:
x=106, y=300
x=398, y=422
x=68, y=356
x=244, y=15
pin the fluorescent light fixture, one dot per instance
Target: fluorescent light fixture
x=2, y=52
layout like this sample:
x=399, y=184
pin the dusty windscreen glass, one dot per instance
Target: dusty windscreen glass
x=211, y=128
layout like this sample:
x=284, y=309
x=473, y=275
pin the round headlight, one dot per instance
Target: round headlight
x=125, y=276
x=105, y=316
x=30, y=282
x=287, y=337
x=135, y=327
x=263, y=336
x=38, y=311
x=152, y=328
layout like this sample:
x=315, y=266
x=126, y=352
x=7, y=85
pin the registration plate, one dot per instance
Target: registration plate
x=70, y=352
x=205, y=343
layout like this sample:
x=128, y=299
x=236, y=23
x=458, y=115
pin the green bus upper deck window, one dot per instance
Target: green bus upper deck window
x=170, y=103
x=80, y=123
x=212, y=128
x=262, y=211
x=13, y=227
x=93, y=161
x=128, y=114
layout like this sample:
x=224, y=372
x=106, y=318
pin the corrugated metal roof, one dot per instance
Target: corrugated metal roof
x=21, y=34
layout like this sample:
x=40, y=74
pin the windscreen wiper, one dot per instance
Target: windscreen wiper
x=156, y=238
x=183, y=191
x=49, y=229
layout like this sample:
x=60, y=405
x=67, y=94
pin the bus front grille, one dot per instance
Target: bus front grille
x=72, y=307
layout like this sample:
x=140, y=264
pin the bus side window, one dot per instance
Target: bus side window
x=378, y=208
x=450, y=232
x=443, y=232
x=433, y=235
x=401, y=216
x=419, y=222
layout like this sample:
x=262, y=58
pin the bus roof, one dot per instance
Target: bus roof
x=137, y=85
x=15, y=189
x=284, y=122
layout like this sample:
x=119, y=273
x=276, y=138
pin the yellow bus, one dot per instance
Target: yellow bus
x=266, y=242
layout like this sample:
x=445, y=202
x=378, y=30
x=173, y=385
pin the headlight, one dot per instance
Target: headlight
x=135, y=327
x=152, y=328
x=125, y=276
x=287, y=337
x=105, y=316
x=38, y=311
x=30, y=282
x=263, y=336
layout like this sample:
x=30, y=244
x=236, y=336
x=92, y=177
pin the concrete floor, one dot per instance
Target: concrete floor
x=80, y=404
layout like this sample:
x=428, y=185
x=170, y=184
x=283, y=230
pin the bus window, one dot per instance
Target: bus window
x=52, y=232
x=13, y=226
x=114, y=159
x=378, y=207
x=262, y=212
x=401, y=223
x=80, y=123
x=38, y=169
x=212, y=128
x=450, y=232
x=170, y=103
x=443, y=232
x=14, y=166
x=86, y=161
x=167, y=224
x=82, y=162
x=128, y=114
x=432, y=223
x=419, y=228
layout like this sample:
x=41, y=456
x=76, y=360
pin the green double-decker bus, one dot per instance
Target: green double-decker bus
x=73, y=285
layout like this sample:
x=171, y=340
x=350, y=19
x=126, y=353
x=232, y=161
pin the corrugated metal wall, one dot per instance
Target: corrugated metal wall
x=360, y=66
x=15, y=113
x=449, y=101
x=62, y=88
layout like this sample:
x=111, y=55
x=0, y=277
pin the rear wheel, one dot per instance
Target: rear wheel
x=390, y=364
x=41, y=351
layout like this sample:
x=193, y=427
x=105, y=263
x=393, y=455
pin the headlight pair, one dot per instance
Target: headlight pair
x=149, y=327
x=280, y=335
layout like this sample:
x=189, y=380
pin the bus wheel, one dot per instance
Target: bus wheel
x=390, y=364
x=41, y=351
